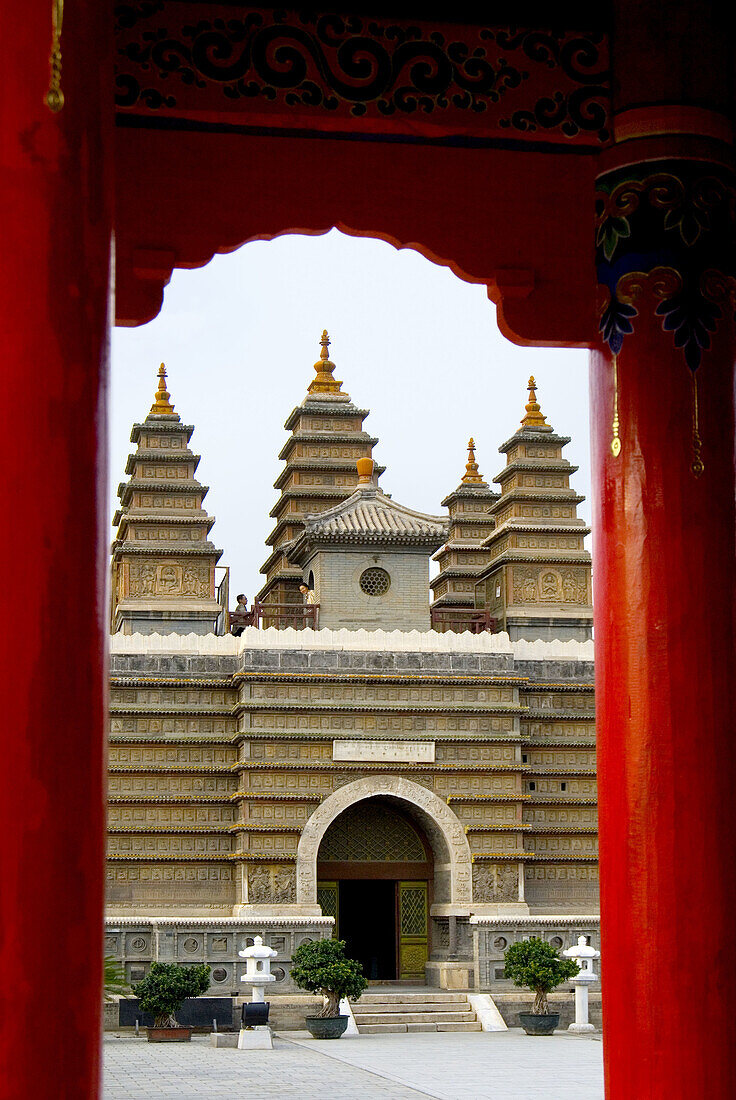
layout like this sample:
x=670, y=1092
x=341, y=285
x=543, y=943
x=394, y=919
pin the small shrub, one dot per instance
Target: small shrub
x=321, y=967
x=165, y=988
x=536, y=965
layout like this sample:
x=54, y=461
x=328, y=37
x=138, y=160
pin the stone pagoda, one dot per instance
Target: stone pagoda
x=163, y=565
x=537, y=583
x=462, y=559
x=326, y=440
x=367, y=559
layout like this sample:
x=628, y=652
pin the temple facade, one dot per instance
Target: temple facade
x=427, y=794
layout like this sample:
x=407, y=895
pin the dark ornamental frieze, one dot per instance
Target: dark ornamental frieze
x=666, y=242
x=667, y=236
x=282, y=68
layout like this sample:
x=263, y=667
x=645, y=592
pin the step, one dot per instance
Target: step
x=415, y=1018
x=413, y=998
x=395, y=1029
x=398, y=1013
x=472, y=1025
x=360, y=1009
x=384, y=1029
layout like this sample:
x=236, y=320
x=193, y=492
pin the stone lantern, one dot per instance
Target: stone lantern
x=258, y=967
x=258, y=975
x=583, y=956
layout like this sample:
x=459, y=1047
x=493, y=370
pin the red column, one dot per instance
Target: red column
x=55, y=214
x=665, y=567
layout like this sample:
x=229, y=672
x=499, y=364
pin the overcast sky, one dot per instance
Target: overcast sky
x=411, y=342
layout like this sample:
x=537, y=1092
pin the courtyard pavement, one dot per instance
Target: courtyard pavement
x=443, y=1066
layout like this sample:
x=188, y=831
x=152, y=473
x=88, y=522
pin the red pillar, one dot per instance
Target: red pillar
x=664, y=572
x=56, y=219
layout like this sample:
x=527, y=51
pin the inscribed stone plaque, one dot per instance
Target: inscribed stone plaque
x=393, y=751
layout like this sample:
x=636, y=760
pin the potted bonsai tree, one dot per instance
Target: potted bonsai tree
x=536, y=965
x=163, y=991
x=321, y=967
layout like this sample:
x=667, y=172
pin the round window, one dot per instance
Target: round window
x=375, y=581
x=219, y=974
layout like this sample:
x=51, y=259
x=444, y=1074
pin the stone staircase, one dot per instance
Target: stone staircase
x=429, y=1010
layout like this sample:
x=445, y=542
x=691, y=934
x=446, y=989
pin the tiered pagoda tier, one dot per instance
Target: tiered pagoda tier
x=368, y=559
x=462, y=559
x=537, y=583
x=163, y=565
x=326, y=440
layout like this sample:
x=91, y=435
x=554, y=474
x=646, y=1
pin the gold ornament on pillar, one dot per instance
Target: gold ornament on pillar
x=697, y=466
x=54, y=98
x=616, y=441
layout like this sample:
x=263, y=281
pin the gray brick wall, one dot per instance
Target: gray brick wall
x=343, y=604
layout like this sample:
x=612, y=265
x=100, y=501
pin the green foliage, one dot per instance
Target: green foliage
x=166, y=986
x=321, y=967
x=113, y=979
x=536, y=964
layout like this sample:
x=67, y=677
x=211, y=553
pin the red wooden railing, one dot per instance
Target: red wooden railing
x=460, y=619
x=280, y=615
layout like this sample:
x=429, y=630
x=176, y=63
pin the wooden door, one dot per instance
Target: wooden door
x=413, y=931
x=328, y=897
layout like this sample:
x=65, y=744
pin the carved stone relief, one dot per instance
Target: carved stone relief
x=532, y=586
x=268, y=883
x=169, y=579
x=495, y=882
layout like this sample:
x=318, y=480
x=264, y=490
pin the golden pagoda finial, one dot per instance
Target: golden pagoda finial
x=365, y=468
x=162, y=405
x=324, y=382
x=472, y=475
x=533, y=418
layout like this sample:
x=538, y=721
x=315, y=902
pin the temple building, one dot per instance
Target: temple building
x=420, y=784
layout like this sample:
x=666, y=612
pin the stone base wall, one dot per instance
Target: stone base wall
x=136, y=944
x=549, y=630
x=287, y=1012
x=493, y=935
x=511, y=1004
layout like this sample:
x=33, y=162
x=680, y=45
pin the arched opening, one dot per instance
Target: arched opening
x=375, y=876
x=391, y=841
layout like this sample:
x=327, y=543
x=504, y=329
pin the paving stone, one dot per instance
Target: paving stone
x=481, y=1066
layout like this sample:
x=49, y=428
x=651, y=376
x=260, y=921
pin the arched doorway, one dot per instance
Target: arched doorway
x=435, y=831
x=375, y=873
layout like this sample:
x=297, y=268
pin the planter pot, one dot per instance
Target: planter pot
x=534, y=1024
x=326, y=1027
x=169, y=1034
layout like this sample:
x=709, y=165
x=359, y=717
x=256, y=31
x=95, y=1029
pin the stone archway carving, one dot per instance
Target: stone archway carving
x=447, y=832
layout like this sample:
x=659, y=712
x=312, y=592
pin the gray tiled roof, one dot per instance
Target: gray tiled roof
x=369, y=513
